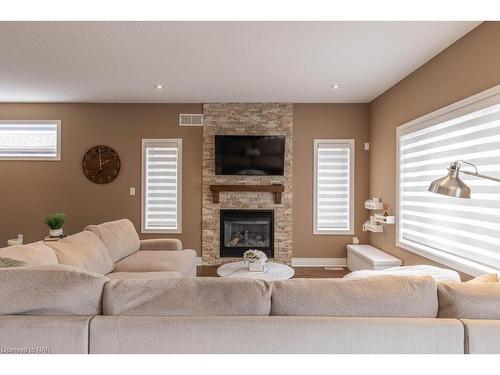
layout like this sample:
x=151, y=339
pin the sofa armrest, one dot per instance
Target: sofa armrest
x=161, y=244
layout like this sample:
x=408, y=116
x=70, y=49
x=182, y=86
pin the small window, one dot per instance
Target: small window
x=30, y=140
x=161, y=185
x=333, y=186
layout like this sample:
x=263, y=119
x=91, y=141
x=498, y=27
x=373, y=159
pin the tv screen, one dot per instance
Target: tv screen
x=249, y=155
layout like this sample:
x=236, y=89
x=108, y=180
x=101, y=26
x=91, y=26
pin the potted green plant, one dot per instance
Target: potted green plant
x=55, y=223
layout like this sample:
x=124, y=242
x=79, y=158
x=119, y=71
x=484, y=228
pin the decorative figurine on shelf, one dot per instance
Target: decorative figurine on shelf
x=256, y=260
x=55, y=223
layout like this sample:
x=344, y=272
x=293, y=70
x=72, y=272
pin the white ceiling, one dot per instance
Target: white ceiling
x=213, y=61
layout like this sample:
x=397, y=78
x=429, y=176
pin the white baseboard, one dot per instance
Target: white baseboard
x=319, y=262
x=307, y=262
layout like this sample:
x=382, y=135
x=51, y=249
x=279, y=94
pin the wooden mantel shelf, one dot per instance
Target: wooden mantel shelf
x=277, y=189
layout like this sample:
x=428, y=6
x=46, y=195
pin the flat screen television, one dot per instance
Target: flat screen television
x=249, y=155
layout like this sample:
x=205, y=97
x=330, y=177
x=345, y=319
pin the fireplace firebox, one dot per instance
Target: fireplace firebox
x=241, y=230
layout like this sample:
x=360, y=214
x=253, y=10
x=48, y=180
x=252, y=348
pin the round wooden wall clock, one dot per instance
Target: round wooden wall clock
x=101, y=164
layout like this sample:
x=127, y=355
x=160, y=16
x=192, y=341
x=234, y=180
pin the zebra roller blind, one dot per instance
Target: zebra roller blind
x=161, y=189
x=465, y=231
x=30, y=140
x=333, y=186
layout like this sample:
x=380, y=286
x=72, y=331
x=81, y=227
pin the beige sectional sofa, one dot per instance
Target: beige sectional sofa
x=60, y=309
x=113, y=249
x=76, y=298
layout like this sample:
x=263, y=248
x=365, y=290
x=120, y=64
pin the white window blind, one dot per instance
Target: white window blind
x=30, y=140
x=464, y=233
x=333, y=186
x=161, y=189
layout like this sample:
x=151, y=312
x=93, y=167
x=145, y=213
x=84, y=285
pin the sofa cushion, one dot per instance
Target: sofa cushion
x=36, y=253
x=486, y=278
x=21, y=334
x=384, y=296
x=207, y=296
x=143, y=275
x=83, y=250
x=183, y=261
x=119, y=236
x=481, y=336
x=275, y=335
x=161, y=244
x=469, y=300
x=50, y=290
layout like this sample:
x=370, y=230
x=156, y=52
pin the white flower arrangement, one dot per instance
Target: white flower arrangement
x=255, y=256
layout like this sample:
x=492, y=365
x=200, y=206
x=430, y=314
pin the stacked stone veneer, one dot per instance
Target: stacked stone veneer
x=246, y=119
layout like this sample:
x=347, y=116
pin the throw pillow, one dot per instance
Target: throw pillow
x=469, y=300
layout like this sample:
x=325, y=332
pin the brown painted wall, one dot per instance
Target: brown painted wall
x=469, y=66
x=29, y=190
x=312, y=121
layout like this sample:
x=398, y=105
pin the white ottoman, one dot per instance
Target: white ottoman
x=439, y=274
x=367, y=257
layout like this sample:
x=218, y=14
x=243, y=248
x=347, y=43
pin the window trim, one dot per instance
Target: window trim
x=58, y=156
x=146, y=142
x=473, y=103
x=352, y=144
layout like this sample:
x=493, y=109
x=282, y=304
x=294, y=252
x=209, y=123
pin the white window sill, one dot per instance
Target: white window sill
x=463, y=265
x=161, y=231
x=28, y=158
x=332, y=233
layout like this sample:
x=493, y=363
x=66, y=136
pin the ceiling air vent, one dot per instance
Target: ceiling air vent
x=192, y=119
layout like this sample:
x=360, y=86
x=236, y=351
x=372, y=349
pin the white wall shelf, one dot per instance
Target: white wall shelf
x=385, y=219
x=377, y=228
x=370, y=205
x=378, y=220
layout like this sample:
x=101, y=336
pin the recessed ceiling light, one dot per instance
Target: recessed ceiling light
x=159, y=87
x=335, y=86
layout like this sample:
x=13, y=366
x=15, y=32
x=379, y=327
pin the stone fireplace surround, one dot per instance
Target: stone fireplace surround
x=246, y=119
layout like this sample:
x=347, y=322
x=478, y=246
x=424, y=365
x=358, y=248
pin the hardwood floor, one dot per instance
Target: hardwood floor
x=300, y=272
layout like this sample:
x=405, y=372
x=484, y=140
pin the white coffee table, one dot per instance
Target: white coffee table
x=272, y=271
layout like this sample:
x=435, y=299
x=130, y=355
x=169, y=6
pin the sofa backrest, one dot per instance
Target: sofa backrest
x=469, y=300
x=203, y=296
x=389, y=296
x=385, y=296
x=50, y=290
x=120, y=237
x=83, y=250
x=36, y=253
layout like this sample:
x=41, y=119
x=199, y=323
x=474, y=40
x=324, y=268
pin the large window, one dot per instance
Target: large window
x=462, y=233
x=161, y=185
x=30, y=140
x=333, y=186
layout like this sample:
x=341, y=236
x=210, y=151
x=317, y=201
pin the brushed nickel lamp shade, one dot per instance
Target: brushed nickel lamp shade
x=451, y=185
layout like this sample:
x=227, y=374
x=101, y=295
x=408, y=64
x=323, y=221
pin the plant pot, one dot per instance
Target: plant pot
x=55, y=232
x=256, y=267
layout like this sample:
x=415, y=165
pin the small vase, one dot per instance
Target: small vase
x=256, y=267
x=55, y=232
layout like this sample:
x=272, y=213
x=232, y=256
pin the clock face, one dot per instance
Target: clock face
x=101, y=164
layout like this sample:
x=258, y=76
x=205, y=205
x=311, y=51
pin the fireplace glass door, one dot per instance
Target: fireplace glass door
x=242, y=230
